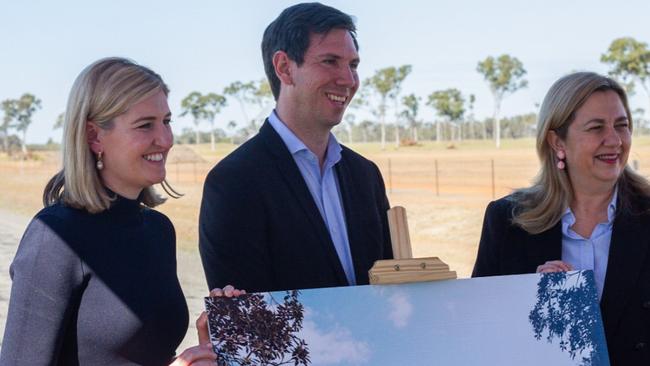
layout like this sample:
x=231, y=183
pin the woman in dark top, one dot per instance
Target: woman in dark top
x=94, y=277
x=587, y=210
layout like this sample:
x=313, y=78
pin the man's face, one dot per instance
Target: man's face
x=323, y=86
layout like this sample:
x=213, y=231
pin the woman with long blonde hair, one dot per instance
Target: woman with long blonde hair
x=94, y=277
x=586, y=210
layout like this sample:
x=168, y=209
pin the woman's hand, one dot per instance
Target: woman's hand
x=554, y=266
x=227, y=291
x=203, y=354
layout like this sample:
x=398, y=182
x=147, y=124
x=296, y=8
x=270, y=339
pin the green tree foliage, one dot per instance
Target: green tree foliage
x=203, y=108
x=19, y=113
x=504, y=75
x=10, y=109
x=411, y=105
x=449, y=104
x=629, y=60
x=213, y=103
x=59, y=121
x=386, y=83
x=244, y=94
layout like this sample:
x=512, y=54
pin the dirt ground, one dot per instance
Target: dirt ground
x=444, y=190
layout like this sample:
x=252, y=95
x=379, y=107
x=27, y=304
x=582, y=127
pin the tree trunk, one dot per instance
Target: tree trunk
x=197, y=136
x=438, y=132
x=23, y=143
x=415, y=133
x=497, y=125
x=396, y=134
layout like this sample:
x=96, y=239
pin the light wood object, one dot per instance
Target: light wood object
x=404, y=268
x=399, y=233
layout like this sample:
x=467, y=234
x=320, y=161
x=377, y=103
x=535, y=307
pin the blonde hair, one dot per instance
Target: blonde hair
x=104, y=90
x=539, y=207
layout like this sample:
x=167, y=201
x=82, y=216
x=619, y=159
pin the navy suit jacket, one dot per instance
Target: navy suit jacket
x=260, y=230
x=507, y=249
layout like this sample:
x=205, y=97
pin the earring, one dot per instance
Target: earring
x=100, y=163
x=560, y=160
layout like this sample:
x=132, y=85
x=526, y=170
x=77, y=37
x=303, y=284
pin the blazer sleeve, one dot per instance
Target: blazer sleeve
x=493, y=235
x=47, y=279
x=232, y=232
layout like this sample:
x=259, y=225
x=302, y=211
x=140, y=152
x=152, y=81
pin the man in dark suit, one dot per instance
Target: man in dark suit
x=291, y=208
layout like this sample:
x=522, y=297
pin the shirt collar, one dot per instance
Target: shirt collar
x=568, y=218
x=295, y=145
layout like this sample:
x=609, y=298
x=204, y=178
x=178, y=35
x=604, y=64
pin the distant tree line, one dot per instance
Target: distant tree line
x=395, y=115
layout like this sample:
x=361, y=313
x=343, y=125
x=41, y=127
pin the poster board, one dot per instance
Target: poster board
x=534, y=319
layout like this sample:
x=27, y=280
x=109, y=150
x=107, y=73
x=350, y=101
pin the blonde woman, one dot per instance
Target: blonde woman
x=586, y=210
x=94, y=277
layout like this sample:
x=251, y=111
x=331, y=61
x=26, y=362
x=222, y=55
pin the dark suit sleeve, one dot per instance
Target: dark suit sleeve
x=382, y=202
x=493, y=233
x=232, y=229
x=47, y=278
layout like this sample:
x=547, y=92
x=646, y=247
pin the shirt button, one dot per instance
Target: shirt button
x=646, y=305
x=639, y=346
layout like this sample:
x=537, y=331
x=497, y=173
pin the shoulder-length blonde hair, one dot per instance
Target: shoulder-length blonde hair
x=539, y=207
x=104, y=90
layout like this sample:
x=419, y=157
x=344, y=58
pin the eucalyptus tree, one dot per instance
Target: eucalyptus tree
x=194, y=105
x=629, y=60
x=449, y=104
x=58, y=123
x=243, y=94
x=411, y=105
x=213, y=103
x=504, y=75
x=10, y=109
x=26, y=105
x=386, y=83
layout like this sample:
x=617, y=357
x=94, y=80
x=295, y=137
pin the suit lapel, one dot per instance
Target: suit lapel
x=290, y=173
x=627, y=253
x=352, y=222
x=543, y=247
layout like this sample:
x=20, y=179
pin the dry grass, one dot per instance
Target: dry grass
x=446, y=225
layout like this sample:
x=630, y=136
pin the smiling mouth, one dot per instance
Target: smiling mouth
x=608, y=158
x=156, y=157
x=337, y=98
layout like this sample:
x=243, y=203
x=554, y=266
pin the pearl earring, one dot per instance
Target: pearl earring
x=560, y=160
x=100, y=163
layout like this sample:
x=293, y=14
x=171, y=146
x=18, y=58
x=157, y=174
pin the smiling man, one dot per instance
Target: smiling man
x=292, y=208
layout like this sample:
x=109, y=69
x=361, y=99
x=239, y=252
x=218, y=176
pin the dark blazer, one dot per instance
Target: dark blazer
x=260, y=230
x=625, y=306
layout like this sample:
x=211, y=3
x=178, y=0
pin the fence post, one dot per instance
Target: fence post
x=493, y=188
x=390, y=178
x=437, y=182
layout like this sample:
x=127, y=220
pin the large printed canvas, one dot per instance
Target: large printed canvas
x=536, y=319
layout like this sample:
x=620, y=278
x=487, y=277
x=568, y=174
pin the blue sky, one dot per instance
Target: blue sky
x=205, y=45
x=465, y=322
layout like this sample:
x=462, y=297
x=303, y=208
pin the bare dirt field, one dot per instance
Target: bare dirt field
x=444, y=218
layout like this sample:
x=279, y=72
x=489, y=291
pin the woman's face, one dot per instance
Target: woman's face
x=135, y=149
x=597, y=144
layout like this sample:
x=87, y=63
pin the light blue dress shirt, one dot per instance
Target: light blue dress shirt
x=589, y=253
x=324, y=188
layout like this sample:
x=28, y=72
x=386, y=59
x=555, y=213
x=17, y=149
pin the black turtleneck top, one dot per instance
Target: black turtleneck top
x=95, y=289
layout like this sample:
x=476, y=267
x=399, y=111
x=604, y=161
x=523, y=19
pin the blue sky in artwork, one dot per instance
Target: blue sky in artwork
x=464, y=322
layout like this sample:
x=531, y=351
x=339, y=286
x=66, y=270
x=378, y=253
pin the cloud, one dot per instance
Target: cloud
x=334, y=346
x=400, y=310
